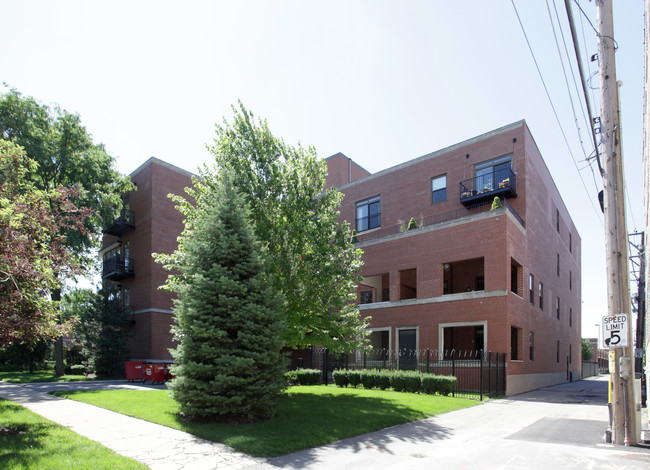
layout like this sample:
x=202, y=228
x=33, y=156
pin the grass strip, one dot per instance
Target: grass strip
x=308, y=416
x=29, y=441
x=39, y=376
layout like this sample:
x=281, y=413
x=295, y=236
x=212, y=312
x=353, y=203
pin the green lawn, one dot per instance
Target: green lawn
x=39, y=376
x=307, y=416
x=28, y=441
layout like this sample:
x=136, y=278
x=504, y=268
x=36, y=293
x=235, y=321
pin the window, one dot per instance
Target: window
x=366, y=297
x=531, y=287
x=558, y=264
x=557, y=352
x=570, y=350
x=570, y=243
x=479, y=282
x=557, y=307
x=516, y=284
x=570, y=280
x=570, y=316
x=489, y=174
x=531, y=341
x=439, y=189
x=368, y=214
x=514, y=343
x=557, y=220
x=541, y=296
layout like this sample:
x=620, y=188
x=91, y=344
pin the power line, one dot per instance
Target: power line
x=554, y=110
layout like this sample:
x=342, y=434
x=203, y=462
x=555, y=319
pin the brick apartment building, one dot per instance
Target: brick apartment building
x=148, y=224
x=467, y=277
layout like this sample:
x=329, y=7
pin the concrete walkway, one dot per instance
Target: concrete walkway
x=555, y=427
x=159, y=447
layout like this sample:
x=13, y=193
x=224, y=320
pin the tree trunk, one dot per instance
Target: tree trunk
x=59, y=368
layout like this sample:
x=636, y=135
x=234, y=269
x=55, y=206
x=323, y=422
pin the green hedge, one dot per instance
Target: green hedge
x=400, y=381
x=303, y=376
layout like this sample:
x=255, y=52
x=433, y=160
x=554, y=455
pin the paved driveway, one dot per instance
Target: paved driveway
x=556, y=427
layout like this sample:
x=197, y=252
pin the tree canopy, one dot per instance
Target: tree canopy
x=312, y=261
x=65, y=156
x=34, y=253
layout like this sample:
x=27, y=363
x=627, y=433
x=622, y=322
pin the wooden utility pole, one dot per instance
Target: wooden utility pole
x=618, y=286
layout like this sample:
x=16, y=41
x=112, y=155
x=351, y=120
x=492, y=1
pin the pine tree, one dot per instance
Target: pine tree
x=228, y=365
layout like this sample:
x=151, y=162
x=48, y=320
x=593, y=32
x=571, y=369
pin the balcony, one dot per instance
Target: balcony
x=121, y=224
x=484, y=188
x=117, y=268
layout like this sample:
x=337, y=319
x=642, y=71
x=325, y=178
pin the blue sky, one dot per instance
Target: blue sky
x=382, y=82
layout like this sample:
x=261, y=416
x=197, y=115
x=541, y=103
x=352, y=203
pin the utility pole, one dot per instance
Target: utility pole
x=616, y=240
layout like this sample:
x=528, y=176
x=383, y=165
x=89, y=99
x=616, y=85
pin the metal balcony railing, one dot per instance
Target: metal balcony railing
x=483, y=188
x=121, y=224
x=117, y=268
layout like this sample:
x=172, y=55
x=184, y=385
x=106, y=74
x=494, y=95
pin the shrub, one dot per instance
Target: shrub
x=354, y=378
x=78, y=369
x=447, y=384
x=412, y=381
x=303, y=376
x=368, y=378
x=412, y=224
x=340, y=377
x=398, y=381
x=383, y=379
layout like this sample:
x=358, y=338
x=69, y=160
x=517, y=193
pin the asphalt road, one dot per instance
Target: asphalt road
x=556, y=427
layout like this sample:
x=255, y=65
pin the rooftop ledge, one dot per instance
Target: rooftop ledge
x=435, y=300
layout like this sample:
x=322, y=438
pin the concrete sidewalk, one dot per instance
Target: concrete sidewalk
x=555, y=427
x=159, y=447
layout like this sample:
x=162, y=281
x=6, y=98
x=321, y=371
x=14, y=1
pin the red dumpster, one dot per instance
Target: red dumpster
x=147, y=373
x=159, y=372
x=134, y=371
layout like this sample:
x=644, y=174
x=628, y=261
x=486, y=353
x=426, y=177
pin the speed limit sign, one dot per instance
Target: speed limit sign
x=615, y=331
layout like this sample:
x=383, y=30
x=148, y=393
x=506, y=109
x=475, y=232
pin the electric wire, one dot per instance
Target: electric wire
x=557, y=118
x=566, y=79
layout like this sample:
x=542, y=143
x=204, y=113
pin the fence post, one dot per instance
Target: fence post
x=481, y=374
x=325, y=364
x=453, y=368
x=489, y=357
x=364, y=358
x=428, y=363
x=311, y=357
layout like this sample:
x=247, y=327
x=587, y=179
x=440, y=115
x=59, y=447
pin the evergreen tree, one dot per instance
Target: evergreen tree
x=227, y=321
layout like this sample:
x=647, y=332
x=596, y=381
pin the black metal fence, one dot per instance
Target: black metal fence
x=479, y=374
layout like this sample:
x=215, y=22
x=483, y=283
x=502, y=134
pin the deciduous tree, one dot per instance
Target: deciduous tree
x=313, y=262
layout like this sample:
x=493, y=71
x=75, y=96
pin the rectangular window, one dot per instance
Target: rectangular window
x=557, y=307
x=479, y=283
x=531, y=340
x=558, y=264
x=531, y=287
x=514, y=343
x=570, y=243
x=557, y=219
x=541, y=296
x=368, y=214
x=570, y=316
x=366, y=297
x=557, y=352
x=489, y=175
x=439, y=189
x=570, y=350
x=570, y=280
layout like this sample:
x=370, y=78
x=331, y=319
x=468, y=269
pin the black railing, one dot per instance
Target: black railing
x=501, y=183
x=479, y=374
x=117, y=267
x=121, y=224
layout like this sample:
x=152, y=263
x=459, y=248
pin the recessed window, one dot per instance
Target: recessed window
x=515, y=334
x=570, y=280
x=368, y=214
x=541, y=295
x=557, y=220
x=570, y=316
x=557, y=352
x=531, y=288
x=531, y=340
x=439, y=189
x=557, y=307
x=570, y=243
x=558, y=264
